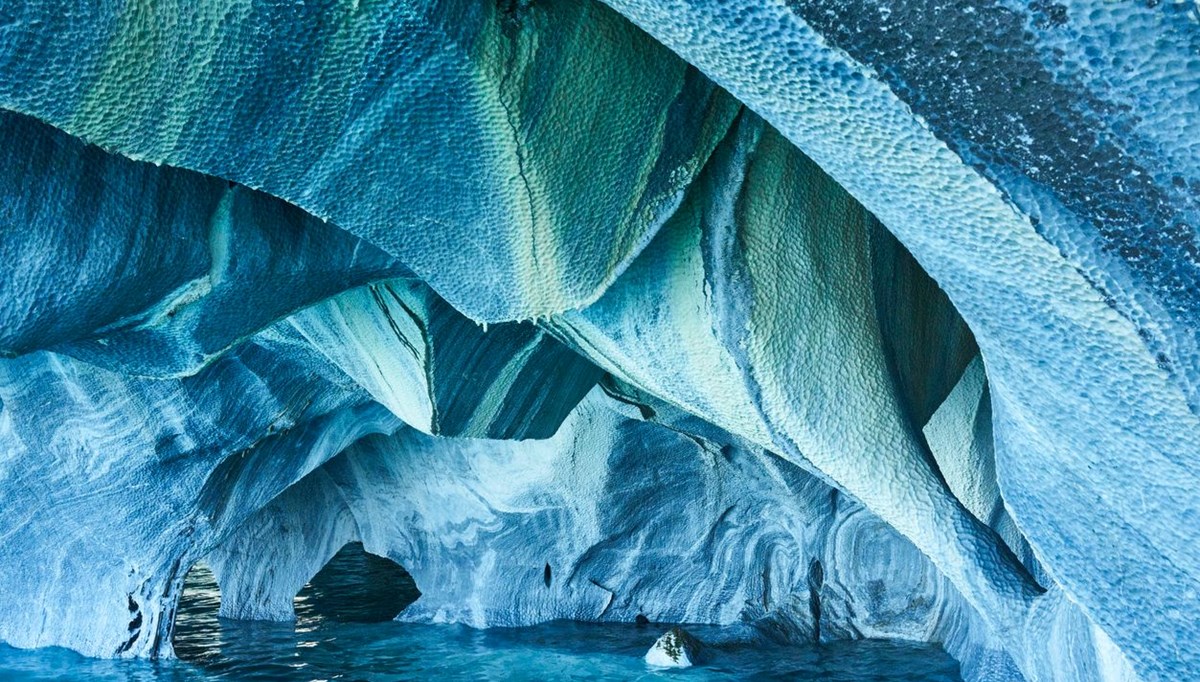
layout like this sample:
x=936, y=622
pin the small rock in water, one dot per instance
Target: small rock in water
x=675, y=649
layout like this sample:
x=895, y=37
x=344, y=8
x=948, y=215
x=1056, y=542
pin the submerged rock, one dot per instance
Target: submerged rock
x=677, y=648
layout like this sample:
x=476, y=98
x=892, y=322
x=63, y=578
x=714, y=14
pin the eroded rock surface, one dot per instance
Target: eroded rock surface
x=818, y=321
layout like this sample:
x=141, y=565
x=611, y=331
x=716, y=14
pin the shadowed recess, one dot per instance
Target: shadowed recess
x=356, y=587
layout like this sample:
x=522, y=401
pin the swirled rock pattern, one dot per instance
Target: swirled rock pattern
x=817, y=320
x=613, y=518
x=147, y=270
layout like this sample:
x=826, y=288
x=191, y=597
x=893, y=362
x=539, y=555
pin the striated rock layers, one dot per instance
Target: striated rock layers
x=820, y=321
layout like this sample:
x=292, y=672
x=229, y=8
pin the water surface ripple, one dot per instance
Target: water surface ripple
x=330, y=641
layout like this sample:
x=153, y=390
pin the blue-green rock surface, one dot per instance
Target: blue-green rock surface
x=821, y=320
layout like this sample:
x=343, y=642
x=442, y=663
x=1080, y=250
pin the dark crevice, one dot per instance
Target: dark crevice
x=435, y=419
x=387, y=313
x=135, y=626
x=816, y=580
x=512, y=13
x=606, y=385
x=766, y=587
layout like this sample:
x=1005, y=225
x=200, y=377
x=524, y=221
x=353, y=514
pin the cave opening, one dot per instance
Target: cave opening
x=356, y=586
x=196, y=617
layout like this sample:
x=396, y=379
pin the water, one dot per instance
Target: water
x=335, y=638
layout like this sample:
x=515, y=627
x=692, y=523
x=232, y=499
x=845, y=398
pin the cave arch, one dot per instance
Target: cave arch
x=356, y=586
x=353, y=586
x=196, y=614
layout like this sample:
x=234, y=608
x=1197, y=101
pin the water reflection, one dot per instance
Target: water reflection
x=329, y=641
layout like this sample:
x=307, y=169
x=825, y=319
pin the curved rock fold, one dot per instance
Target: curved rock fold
x=815, y=321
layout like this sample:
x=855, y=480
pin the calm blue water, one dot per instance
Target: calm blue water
x=326, y=643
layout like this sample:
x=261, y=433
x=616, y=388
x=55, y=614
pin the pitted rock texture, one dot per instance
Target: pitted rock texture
x=460, y=137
